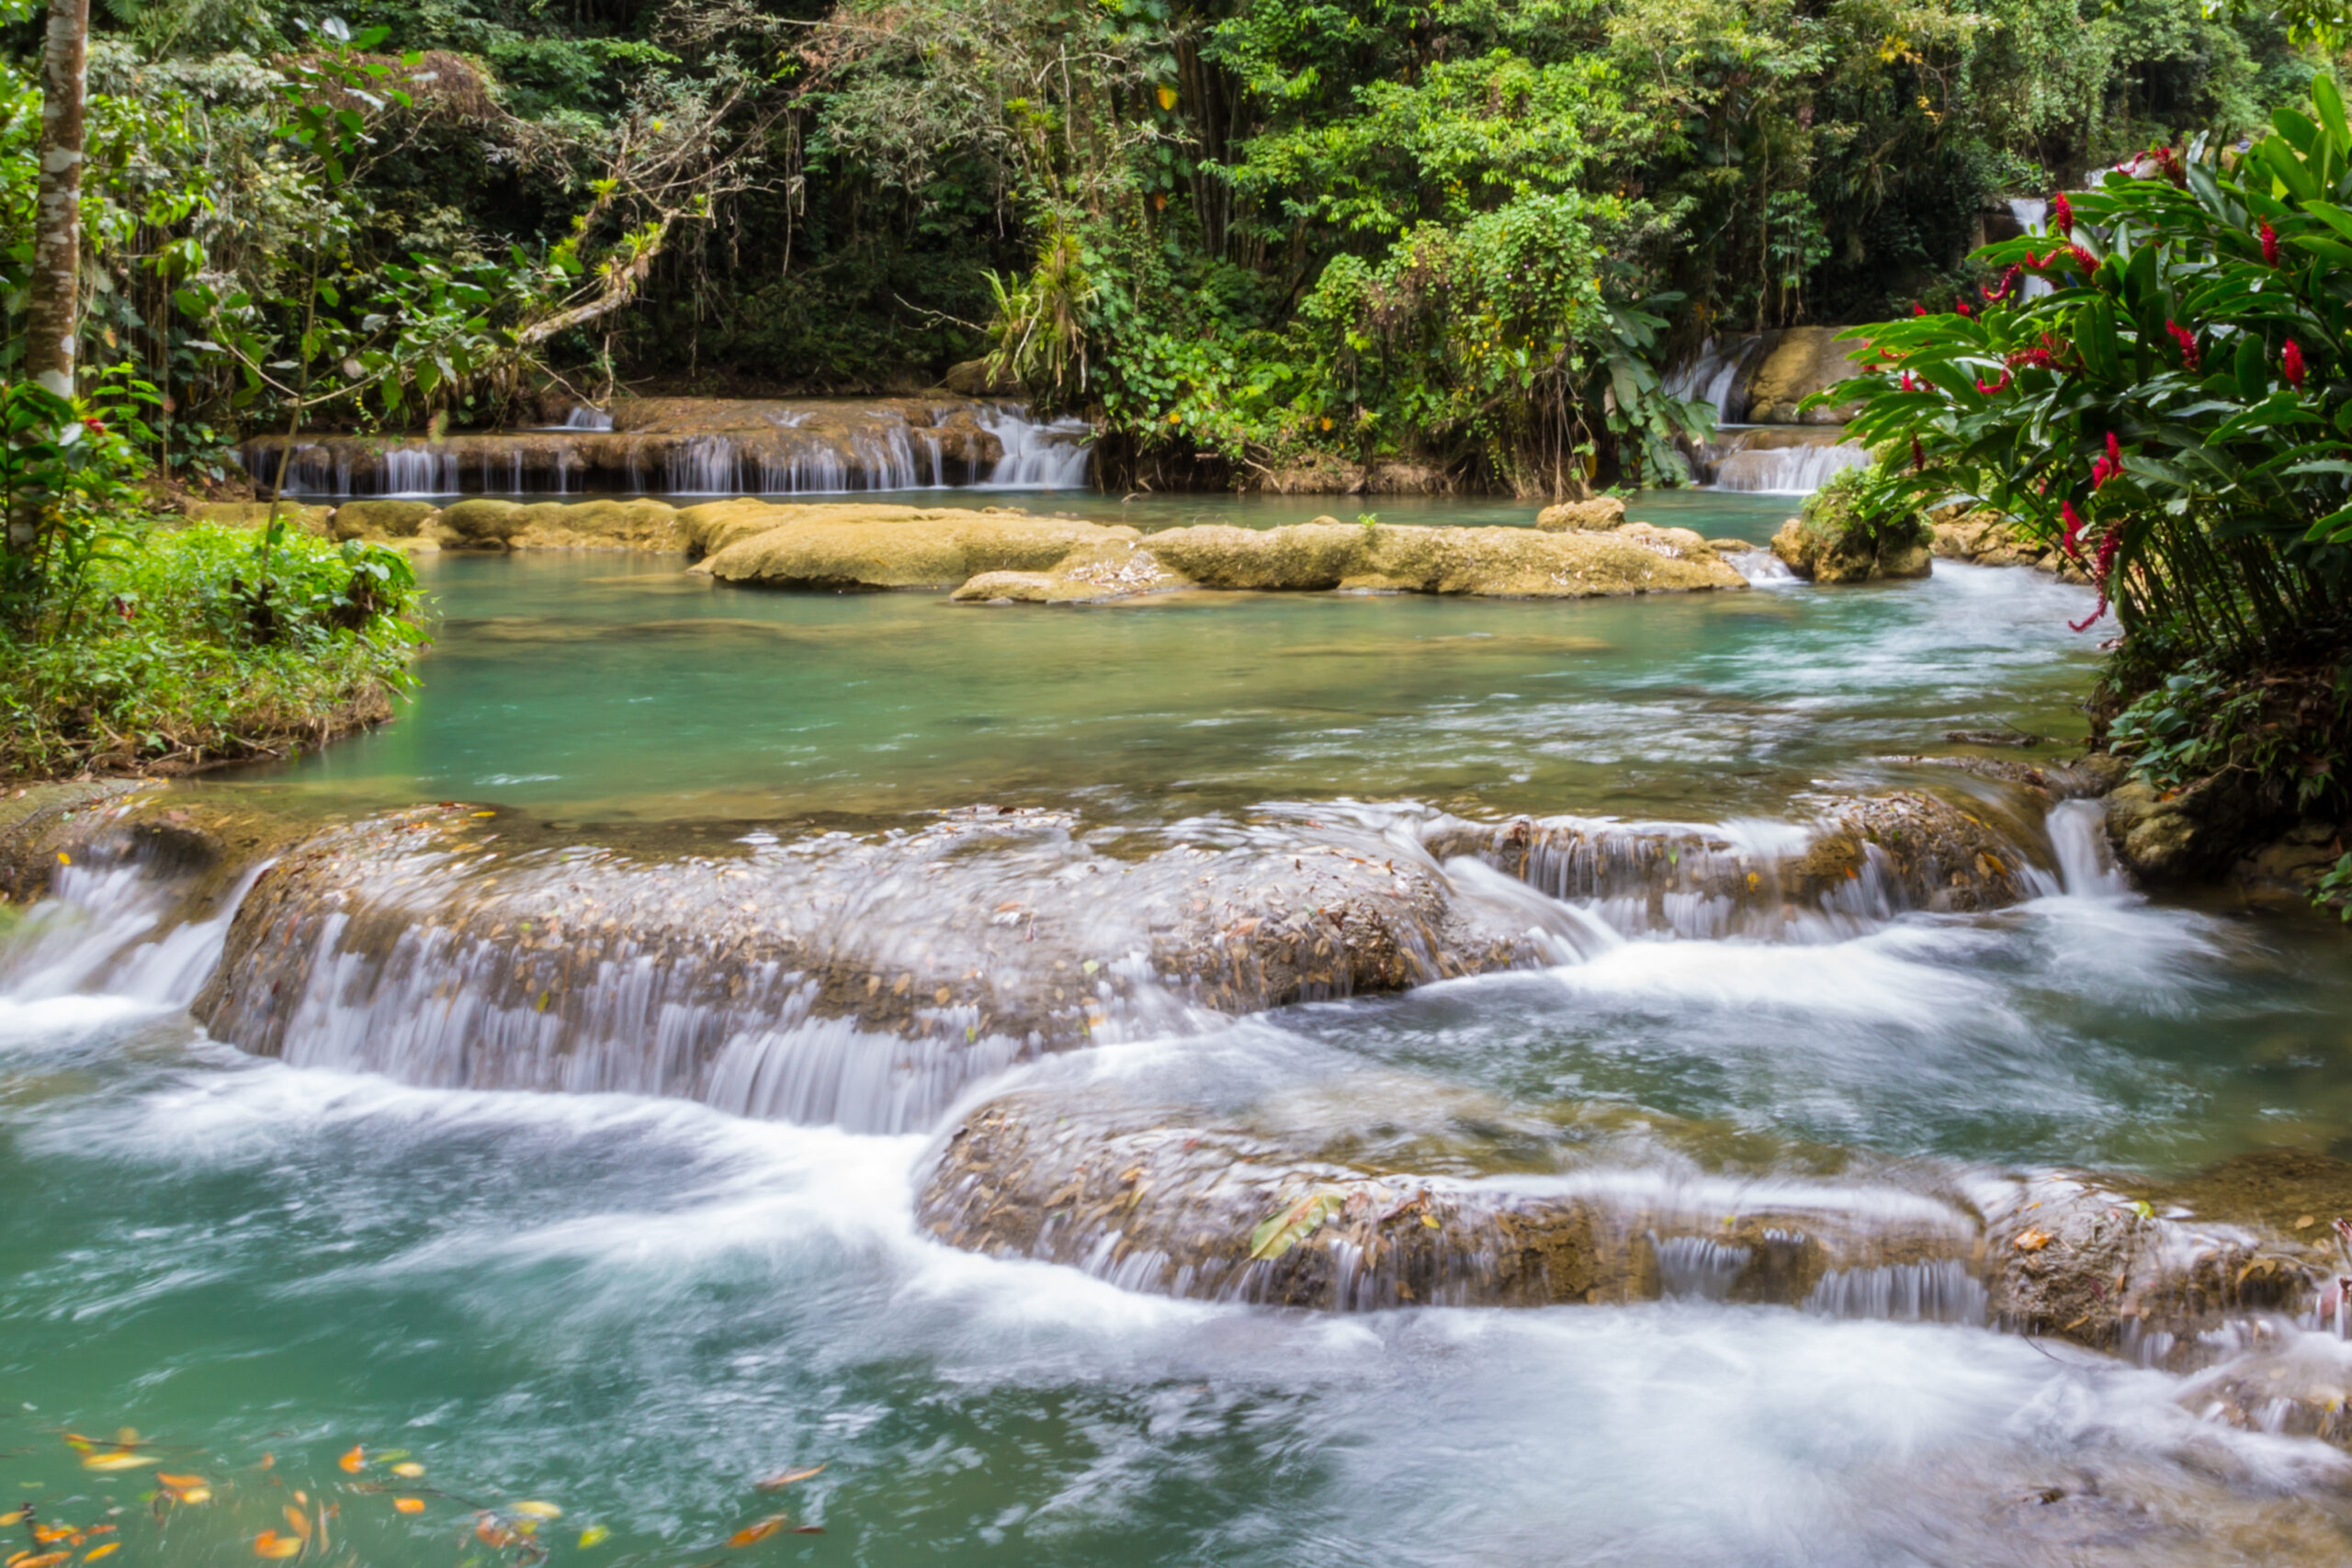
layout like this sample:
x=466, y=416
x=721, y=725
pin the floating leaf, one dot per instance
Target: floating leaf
x=354, y=1461
x=491, y=1531
x=594, y=1534
x=537, y=1510
x=778, y=1483
x=46, y=1560
x=177, y=1483
x=8, y=1519
x=386, y=1456
x=2031, y=1240
x=118, y=1461
x=753, y=1534
x=408, y=1471
x=106, y=1550
x=299, y=1522
x=1287, y=1226
x=271, y=1544
x=408, y=1505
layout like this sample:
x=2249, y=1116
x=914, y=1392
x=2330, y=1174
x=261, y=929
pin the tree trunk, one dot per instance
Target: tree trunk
x=50, y=312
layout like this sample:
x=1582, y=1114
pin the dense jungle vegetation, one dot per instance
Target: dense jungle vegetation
x=1238, y=232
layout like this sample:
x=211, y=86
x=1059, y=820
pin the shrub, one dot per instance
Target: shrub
x=2174, y=413
x=207, y=644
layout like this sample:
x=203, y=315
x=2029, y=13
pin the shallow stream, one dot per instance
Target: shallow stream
x=635, y=1309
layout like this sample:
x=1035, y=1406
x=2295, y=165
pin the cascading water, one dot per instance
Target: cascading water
x=1755, y=1091
x=1787, y=470
x=1052, y=456
x=1717, y=375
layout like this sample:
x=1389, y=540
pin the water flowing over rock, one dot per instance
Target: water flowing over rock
x=1776, y=459
x=1154, y=1200
x=828, y=979
x=702, y=447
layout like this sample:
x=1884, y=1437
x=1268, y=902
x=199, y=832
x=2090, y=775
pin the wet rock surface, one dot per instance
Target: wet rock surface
x=1155, y=1199
x=2092, y=1260
x=835, y=976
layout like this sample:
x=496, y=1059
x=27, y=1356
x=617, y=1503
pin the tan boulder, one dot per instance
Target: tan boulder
x=379, y=521
x=478, y=523
x=637, y=524
x=1599, y=513
x=1806, y=360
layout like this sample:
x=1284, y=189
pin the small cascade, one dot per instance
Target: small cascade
x=1718, y=375
x=1052, y=456
x=1939, y=1289
x=1787, y=470
x=417, y=470
x=118, y=927
x=1762, y=568
x=2087, y=867
x=704, y=466
x=586, y=418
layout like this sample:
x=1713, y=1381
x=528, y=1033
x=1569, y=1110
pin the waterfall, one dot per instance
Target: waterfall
x=2030, y=213
x=1036, y=456
x=1717, y=375
x=704, y=466
x=2087, y=867
x=1787, y=470
x=421, y=470
x=585, y=418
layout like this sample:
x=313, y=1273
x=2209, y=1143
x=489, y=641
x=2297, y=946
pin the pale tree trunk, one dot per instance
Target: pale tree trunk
x=51, y=309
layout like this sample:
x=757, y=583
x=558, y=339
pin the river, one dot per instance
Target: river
x=632, y=1308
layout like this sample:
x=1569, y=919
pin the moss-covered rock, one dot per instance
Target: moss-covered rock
x=383, y=521
x=1602, y=511
x=1845, y=534
x=479, y=524
x=638, y=525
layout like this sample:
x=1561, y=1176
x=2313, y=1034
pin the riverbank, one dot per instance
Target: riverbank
x=188, y=650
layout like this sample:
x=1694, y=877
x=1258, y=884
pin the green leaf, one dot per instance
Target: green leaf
x=1295, y=1222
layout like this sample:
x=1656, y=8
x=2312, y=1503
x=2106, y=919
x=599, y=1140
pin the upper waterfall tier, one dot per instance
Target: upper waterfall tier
x=703, y=447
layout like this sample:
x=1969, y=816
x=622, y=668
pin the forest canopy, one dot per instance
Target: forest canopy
x=1238, y=234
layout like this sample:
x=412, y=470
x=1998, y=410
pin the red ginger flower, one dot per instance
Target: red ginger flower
x=2070, y=539
x=2037, y=358
x=2187, y=340
x=1918, y=455
x=2084, y=260
x=1960, y=306
x=2108, y=543
x=2290, y=365
x=1990, y=388
x=2107, y=466
x=2062, y=214
x=2269, y=244
x=1917, y=308
x=1907, y=384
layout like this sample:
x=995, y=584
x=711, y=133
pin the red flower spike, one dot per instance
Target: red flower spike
x=2269, y=244
x=1917, y=308
x=1960, y=306
x=2114, y=450
x=2085, y=261
x=2187, y=342
x=1990, y=388
x=2062, y=214
x=2070, y=539
x=1907, y=384
x=1918, y=455
x=2290, y=365
x=2110, y=542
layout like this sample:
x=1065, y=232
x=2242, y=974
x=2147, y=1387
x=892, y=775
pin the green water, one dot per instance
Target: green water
x=634, y=1310
x=600, y=687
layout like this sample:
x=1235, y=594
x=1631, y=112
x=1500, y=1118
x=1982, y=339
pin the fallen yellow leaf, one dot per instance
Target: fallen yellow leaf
x=354, y=1461
x=776, y=1482
x=408, y=1471
x=93, y=1555
x=118, y=1461
x=2032, y=1240
x=594, y=1534
x=408, y=1505
x=753, y=1534
x=537, y=1510
x=271, y=1544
